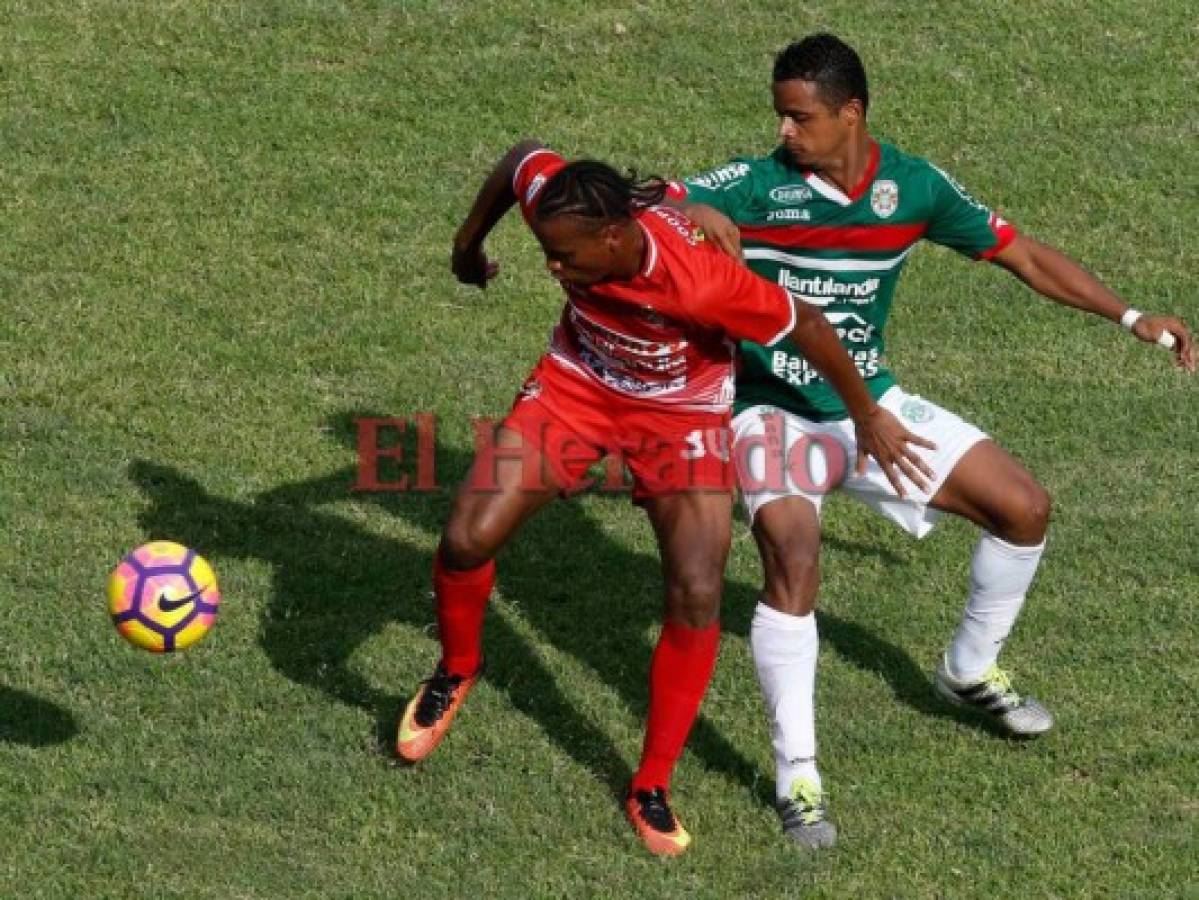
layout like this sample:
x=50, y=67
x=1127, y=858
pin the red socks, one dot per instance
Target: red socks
x=461, y=603
x=678, y=677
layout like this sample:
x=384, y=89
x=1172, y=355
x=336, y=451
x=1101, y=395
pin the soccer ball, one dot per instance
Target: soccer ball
x=163, y=597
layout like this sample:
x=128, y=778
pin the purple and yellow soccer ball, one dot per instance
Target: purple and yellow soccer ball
x=163, y=597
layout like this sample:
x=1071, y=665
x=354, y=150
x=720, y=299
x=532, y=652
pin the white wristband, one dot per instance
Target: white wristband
x=1130, y=317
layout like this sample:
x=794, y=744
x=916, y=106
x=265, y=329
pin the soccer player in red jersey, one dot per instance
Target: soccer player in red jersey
x=640, y=366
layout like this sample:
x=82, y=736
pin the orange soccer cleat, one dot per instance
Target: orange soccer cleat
x=655, y=823
x=430, y=713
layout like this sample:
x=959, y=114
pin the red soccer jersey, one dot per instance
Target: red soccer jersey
x=667, y=334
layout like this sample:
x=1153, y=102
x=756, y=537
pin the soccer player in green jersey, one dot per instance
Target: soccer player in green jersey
x=832, y=215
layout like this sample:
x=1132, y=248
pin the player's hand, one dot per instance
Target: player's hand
x=717, y=227
x=1172, y=334
x=881, y=435
x=470, y=265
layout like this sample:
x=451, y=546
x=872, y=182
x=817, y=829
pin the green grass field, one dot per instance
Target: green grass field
x=226, y=233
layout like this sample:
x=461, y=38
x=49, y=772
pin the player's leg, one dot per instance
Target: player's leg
x=502, y=490
x=975, y=479
x=785, y=644
x=505, y=487
x=993, y=490
x=694, y=533
x=996, y=492
x=783, y=467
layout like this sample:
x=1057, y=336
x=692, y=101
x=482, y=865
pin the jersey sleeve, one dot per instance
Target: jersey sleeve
x=960, y=222
x=531, y=174
x=745, y=306
x=728, y=188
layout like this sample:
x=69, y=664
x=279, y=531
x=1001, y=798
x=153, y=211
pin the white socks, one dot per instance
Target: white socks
x=784, y=651
x=1000, y=574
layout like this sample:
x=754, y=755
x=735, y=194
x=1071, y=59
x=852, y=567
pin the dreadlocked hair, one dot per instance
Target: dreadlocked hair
x=597, y=192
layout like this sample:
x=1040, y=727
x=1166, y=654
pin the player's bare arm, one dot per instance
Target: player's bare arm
x=716, y=226
x=879, y=433
x=468, y=262
x=1052, y=274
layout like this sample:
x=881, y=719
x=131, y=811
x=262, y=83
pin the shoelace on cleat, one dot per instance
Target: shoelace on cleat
x=1000, y=682
x=655, y=809
x=436, y=699
x=807, y=802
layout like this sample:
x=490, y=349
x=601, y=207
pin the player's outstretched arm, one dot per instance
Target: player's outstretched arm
x=879, y=433
x=468, y=262
x=1052, y=274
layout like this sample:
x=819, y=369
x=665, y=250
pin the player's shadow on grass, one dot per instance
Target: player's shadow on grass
x=30, y=720
x=336, y=584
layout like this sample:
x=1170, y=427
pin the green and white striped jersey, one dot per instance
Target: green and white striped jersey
x=841, y=252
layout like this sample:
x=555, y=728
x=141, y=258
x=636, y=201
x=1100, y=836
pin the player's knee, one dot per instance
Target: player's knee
x=1038, y=508
x=792, y=575
x=693, y=596
x=467, y=544
x=1028, y=519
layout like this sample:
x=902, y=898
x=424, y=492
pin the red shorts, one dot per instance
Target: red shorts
x=575, y=423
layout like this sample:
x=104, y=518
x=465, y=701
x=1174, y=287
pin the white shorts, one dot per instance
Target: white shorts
x=779, y=454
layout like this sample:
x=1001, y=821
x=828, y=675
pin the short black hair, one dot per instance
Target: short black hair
x=829, y=63
x=594, y=190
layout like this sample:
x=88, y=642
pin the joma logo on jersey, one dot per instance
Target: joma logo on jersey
x=791, y=193
x=789, y=215
x=823, y=291
x=722, y=176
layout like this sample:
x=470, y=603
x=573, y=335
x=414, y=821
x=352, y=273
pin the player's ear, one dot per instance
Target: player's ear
x=853, y=112
x=610, y=235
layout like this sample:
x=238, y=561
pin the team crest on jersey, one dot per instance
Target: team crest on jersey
x=884, y=198
x=530, y=390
